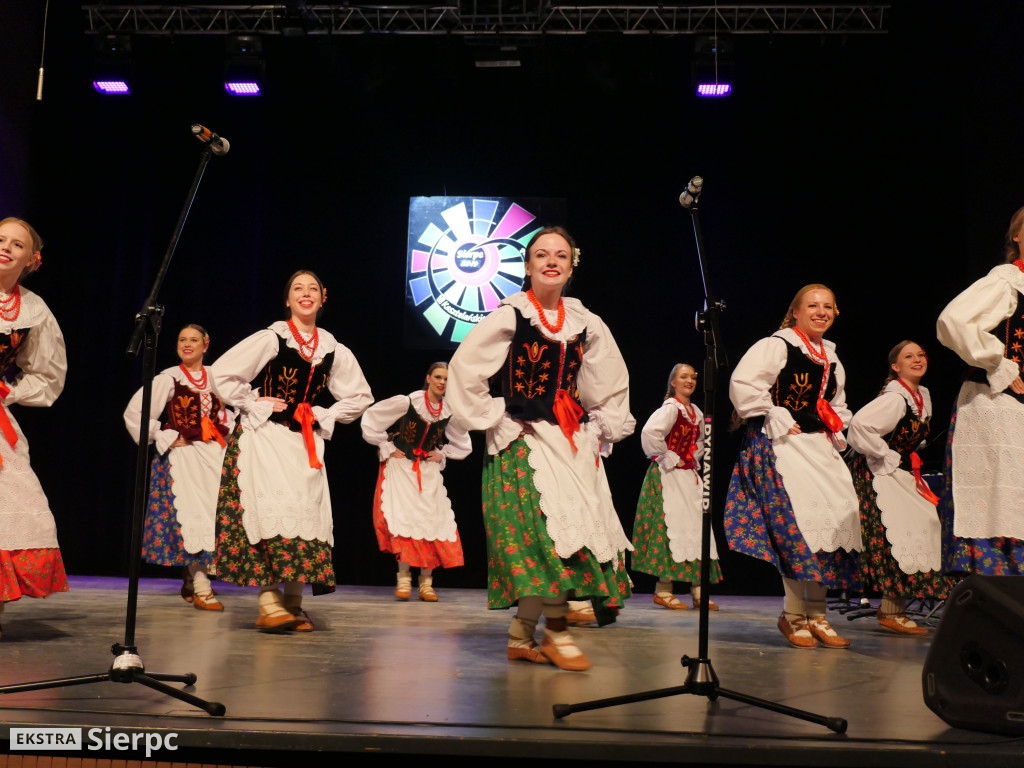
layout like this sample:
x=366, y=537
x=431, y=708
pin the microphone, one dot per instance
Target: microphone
x=218, y=144
x=689, y=197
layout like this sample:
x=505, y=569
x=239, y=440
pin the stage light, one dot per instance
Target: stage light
x=713, y=89
x=243, y=72
x=112, y=72
x=712, y=67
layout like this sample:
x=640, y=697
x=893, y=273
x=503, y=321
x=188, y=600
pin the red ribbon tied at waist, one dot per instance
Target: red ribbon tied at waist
x=828, y=416
x=922, y=486
x=304, y=415
x=568, y=414
x=5, y=421
x=210, y=432
x=419, y=453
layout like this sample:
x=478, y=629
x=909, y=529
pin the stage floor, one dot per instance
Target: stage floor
x=382, y=677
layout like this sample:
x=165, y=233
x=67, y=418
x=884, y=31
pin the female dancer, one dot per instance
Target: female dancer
x=412, y=515
x=791, y=500
x=32, y=369
x=548, y=512
x=902, y=535
x=185, y=474
x=667, y=531
x=984, y=452
x=292, y=383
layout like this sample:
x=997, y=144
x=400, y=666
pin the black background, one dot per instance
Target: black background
x=885, y=166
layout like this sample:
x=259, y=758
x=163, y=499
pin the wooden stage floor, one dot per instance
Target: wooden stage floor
x=382, y=678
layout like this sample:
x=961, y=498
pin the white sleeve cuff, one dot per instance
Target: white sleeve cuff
x=1003, y=375
x=777, y=422
x=163, y=440
x=884, y=465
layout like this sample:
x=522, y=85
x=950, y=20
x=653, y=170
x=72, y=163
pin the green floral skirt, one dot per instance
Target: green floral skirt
x=650, y=538
x=521, y=558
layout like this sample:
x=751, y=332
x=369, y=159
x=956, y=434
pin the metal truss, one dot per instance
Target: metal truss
x=489, y=17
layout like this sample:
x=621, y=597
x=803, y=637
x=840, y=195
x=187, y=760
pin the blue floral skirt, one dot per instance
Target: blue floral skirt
x=161, y=535
x=759, y=520
x=1002, y=556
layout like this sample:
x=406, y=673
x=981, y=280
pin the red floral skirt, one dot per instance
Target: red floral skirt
x=419, y=553
x=31, y=573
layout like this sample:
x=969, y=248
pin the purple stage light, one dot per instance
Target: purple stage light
x=247, y=88
x=112, y=87
x=714, y=89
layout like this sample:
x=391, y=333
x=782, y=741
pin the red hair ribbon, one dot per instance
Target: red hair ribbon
x=922, y=486
x=210, y=432
x=304, y=415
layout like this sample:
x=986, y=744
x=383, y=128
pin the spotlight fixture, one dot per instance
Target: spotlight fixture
x=243, y=72
x=113, y=68
x=712, y=67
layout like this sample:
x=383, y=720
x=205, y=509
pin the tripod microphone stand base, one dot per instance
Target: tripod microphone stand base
x=701, y=680
x=128, y=668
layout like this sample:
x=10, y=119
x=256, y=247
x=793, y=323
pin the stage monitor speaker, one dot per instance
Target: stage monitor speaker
x=973, y=675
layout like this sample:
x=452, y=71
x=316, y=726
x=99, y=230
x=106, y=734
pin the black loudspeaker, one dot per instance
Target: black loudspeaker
x=974, y=674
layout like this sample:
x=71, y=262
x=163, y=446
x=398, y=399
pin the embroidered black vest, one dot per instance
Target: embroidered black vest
x=411, y=432
x=682, y=435
x=295, y=381
x=10, y=345
x=1011, y=333
x=184, y=413
x=907, y=435
x=798, y=385
x=536, y=368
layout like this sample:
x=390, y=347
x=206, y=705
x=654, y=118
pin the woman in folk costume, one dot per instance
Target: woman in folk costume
x=33, y=364
x=564, y=397
x=791, y=499
x=667, y=531
x=985, y=448
x=187, y=424
x=902, y=535
x=292, y=383
x=412, y=514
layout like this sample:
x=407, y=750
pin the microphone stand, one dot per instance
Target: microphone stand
x=701, y=679
x=127, y=666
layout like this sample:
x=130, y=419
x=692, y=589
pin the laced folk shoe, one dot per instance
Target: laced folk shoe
x=899, y=624
x=668, y=600
x=824, y=633
x=404, y=589
x=796, y=630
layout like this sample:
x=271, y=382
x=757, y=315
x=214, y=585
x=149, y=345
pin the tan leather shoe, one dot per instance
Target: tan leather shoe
x=561, y=651
x=427, y=593
x=824, y=633
x=527, y=653
x=711, y=605
x=796, y=631
x=666, y=600
x=206, y=602
x=899, y=624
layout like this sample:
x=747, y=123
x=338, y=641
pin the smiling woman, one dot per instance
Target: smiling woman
x=412, y=515
x=564, y=397
x=667, y=530
x=791, y=500
x=902, y=533
x=33, y=364
x=292, y=383
x=188, y=424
